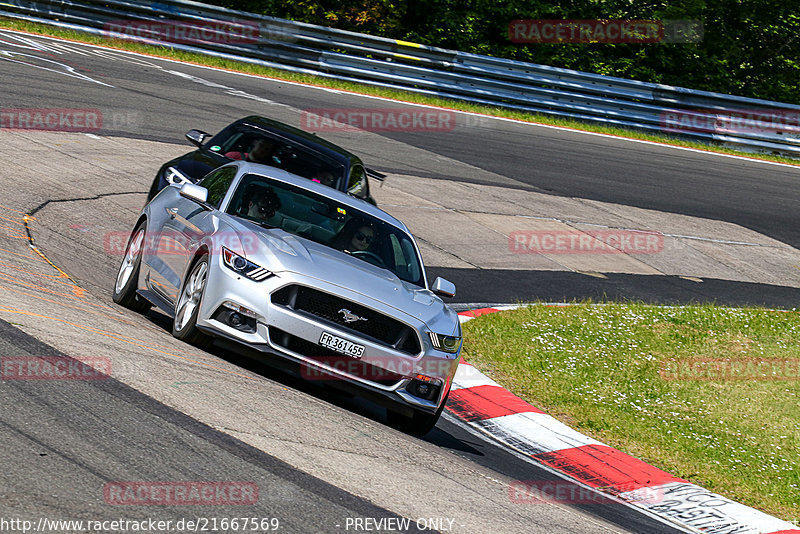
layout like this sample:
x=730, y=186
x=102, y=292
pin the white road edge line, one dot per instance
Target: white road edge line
x=385, y=99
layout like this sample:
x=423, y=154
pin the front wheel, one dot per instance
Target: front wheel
x=184, y=327
x=128, y=276
x=418, y=424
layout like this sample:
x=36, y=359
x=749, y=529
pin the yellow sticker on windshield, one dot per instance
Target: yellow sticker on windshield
x=341, y=210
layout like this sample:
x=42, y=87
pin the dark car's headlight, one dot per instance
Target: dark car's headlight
x=244, y=266
x=176, y=177
x=445, y=343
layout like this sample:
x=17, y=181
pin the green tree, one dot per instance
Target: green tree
x=749, y=47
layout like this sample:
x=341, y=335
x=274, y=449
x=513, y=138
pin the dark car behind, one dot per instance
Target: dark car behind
x=291, y=149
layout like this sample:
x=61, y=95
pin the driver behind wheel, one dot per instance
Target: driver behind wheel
x=362, y=239
x=263, y=204
x=355, y=236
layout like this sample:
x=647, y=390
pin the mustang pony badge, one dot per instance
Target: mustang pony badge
x=350, y=317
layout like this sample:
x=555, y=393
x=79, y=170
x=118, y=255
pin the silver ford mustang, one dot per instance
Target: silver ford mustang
x=297, y=269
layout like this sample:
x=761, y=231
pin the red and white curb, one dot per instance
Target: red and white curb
x=484, y=405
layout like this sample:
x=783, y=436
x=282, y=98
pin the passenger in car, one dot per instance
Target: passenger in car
x=261, y=151
x=325, y=178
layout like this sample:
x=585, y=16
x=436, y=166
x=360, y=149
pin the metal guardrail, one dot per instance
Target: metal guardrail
x=390, y=63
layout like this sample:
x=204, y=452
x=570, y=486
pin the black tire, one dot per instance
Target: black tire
x=190, y=297
x=418, y=424
x=127, y=280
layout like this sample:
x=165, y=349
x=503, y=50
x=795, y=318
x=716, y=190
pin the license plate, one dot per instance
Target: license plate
x=341, y=345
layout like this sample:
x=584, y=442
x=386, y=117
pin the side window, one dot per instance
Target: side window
x=404, y=258
x=217, y=182
x=357, y=184
x=217, y=144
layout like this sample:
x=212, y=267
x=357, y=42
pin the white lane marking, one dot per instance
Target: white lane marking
x=467, y=113
x=59, y=48
x=66, y=70
x=228, y=90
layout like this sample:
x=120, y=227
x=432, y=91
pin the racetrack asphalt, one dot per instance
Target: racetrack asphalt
x=559, y=163
x=65, y=440
x=149, y=102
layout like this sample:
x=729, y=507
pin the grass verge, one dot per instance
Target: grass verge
x=404, y=96
x=626, y=375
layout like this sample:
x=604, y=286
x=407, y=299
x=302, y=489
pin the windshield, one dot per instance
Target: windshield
x=318, y=218
x=261, y=147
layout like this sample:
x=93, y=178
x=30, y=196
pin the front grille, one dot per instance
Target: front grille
x=331, y=309
x=333, y=359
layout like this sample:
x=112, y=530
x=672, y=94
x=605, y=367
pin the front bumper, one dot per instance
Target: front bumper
x=295, y=335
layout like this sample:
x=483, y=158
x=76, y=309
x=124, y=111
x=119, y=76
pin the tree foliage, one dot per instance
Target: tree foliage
x=749, y=47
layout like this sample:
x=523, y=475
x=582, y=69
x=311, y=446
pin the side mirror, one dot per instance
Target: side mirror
x=197, y=137
x=443, y=288
x=195, y=192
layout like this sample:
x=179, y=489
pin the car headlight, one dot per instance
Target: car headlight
x=445, y=343
x=176, y=177
x=244, y=266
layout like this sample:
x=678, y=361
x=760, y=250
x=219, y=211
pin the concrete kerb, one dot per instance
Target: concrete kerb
x=484, y=405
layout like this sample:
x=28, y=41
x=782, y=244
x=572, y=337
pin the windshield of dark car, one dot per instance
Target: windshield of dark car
x=328, y=222
x=269, y=149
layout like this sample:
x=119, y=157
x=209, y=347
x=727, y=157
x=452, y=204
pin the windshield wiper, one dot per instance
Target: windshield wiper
x=255, y=221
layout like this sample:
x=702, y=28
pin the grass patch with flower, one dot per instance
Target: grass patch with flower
x=626, y=375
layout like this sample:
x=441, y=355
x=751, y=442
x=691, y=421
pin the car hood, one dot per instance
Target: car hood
x=280, y=251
